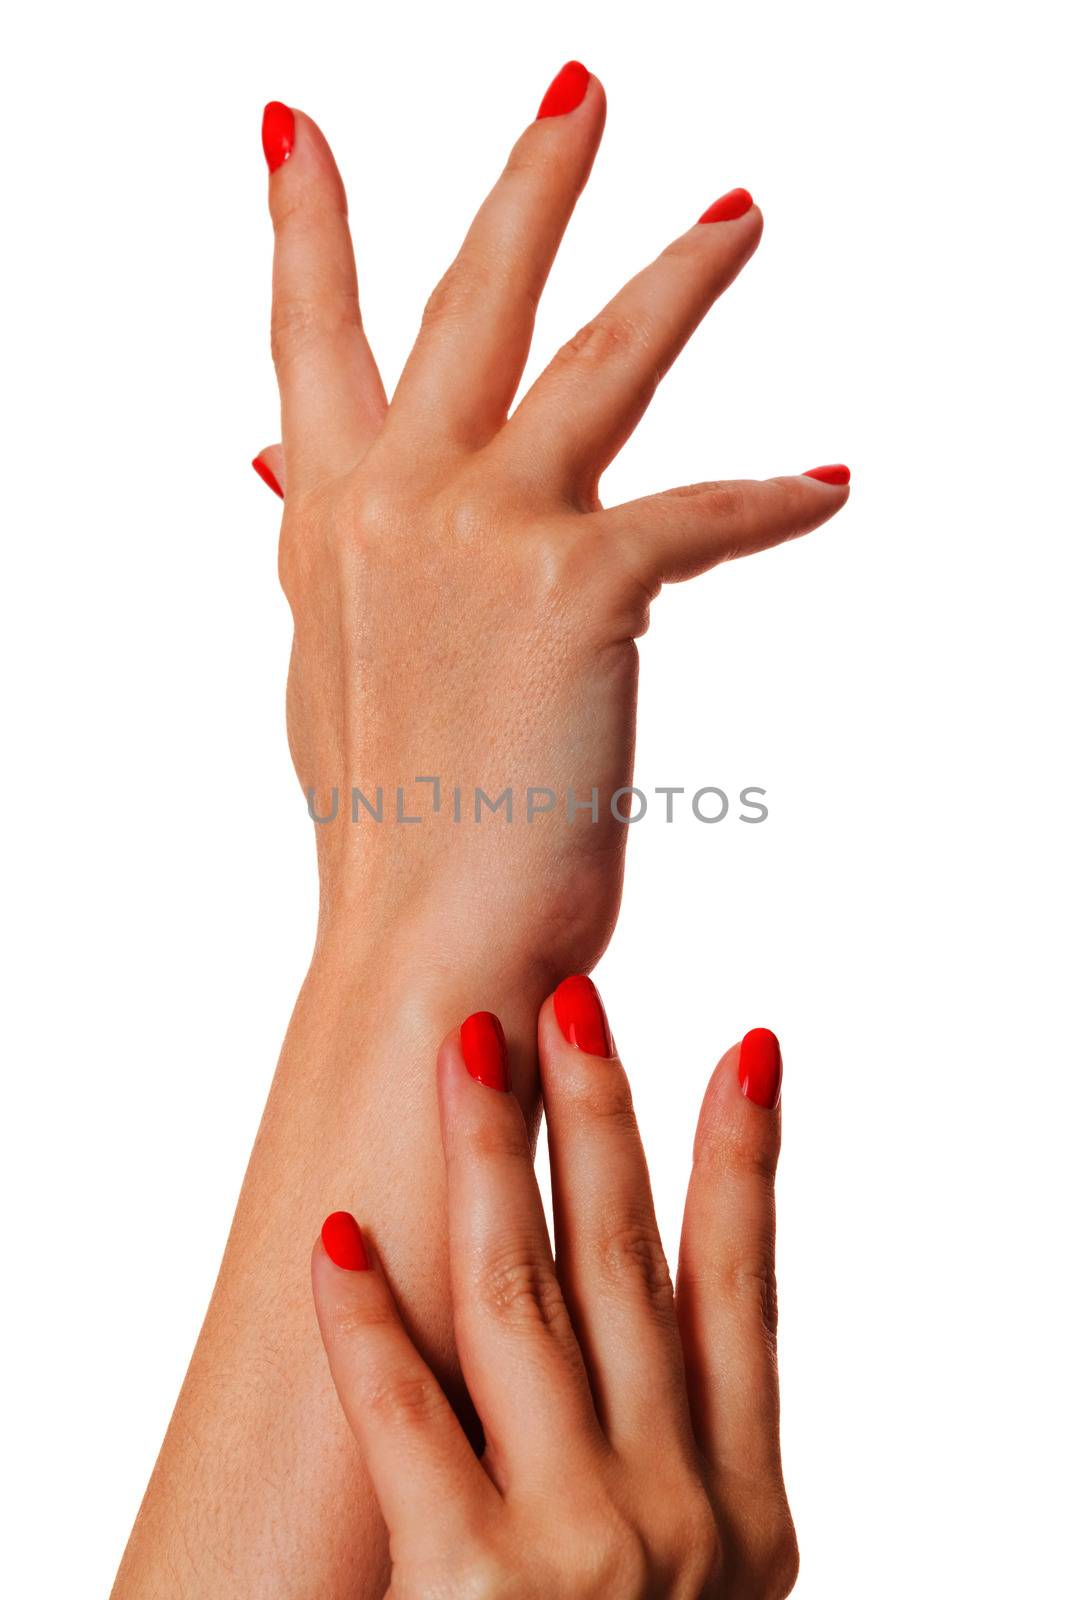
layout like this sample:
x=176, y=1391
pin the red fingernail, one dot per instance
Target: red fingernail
x=343, y=1242
x=729, y=207
x=580, y=1014
x=759, y=1070
x=279, y=131
x=260, y=466
x=566, y=91
x=836, y=474
x=485, y=1050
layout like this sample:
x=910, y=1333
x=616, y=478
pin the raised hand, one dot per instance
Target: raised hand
x=464, y=607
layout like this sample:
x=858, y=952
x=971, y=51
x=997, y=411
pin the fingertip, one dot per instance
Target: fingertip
x=342, y=1240
x=729, y=207
x=759, y=1068
x=261, y=466
x=837, y=475
x=566, y=92
x=278, y=133
x=483, y=1048
x=297, y=150
x=742, y=1099
x=579, y=1016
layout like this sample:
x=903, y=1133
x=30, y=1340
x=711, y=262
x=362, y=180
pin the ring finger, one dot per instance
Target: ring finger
x=589, y=399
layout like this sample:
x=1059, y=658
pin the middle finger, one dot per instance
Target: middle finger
x=609, y=1254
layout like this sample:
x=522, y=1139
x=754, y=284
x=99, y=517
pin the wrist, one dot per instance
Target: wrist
x=384, y=989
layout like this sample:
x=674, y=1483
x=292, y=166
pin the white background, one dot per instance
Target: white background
x=891, y=681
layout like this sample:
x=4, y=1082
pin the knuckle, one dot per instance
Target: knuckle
x=601, y=1096
x=695, y=1539
x=297, y=323
x=522, y=1290
x=352, y=1323
x=484, y=1576
x=751, y=1281
x=413, y=1400
x=689, y=246
x=625, y=1568
x=466, y=513
x=610, y=1555
x=781, y=1562
x=492, y=1138
x=725, y=502
x=529, y=158
x=374, y=510
x=739, y=1154
x=754, y=1160
x=608, y=337
x=463, y=285
x=291, y=563
x=631, y=1256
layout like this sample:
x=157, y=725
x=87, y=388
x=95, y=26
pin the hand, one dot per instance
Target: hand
x=463, y=605
x=631, y=1434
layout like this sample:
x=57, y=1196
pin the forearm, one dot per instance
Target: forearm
x=258, y=1460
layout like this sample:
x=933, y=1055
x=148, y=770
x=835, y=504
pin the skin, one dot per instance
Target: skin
x=631, y=1436
x=464, y=606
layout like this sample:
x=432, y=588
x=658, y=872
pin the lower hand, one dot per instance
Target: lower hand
x=631, y=1431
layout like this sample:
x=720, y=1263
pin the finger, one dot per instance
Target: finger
x=666, y=537
x=727, y=1308
x=331, y=394
x=467, y=361
x=608, y=1250
x=513, y=1333
x=590, y=397
x=270, y=465
x=420, y=1463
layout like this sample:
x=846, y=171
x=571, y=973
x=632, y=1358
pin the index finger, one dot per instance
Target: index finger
x=332, y=397
x=421, y=1465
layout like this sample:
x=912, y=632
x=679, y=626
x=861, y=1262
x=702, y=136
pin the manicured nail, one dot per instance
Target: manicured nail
x=759, y=1070
x=580, y=1014
x=729, y=207
x=260, y=466
x=485, y=1050
x=279, y=131
x=836, y=474
x=344, y=1242
x=566, y=91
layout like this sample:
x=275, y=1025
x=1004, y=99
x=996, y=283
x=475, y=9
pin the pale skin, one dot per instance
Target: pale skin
x=631, y=1433
x=463, y=605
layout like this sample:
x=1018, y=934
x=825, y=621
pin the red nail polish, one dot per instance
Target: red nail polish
x=729, y=207
x=566, y=91
x=837, y=474
x=344, y=1242
x=759, y=1070
x=260, y=466
x=279, y=131
x=485, y=1050
x=580, y=1014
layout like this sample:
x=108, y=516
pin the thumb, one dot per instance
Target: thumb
x=270, y=464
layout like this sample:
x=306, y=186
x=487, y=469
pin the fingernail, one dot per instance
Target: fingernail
x=260, y=466
x=343, y=1242
x=759, y=1070
x=729, y=207
x=566, y=91
x=279, y=131
x=485, y=1050
x=836, y=474
x=580, y=1014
